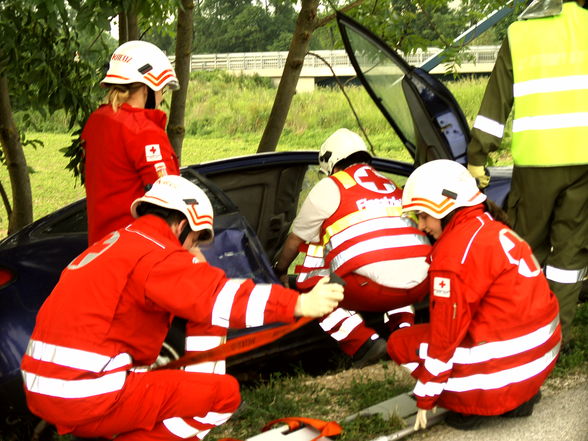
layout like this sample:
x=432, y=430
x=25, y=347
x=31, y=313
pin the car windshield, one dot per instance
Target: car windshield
x=385, y=76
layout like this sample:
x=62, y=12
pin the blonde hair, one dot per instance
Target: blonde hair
x=118, y=94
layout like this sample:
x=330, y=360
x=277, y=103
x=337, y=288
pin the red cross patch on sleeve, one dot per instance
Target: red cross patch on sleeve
x=441, y=287
x=152, y=153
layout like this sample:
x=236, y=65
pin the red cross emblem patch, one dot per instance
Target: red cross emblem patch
x=441, y=287
x=373, y=181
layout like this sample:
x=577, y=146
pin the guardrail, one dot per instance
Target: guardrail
x=266, y=61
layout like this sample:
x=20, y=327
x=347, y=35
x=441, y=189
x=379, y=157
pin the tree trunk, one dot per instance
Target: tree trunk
x=305, y=25
x=175, y=127
x=123, y=34
x=22, y=201
x=128, y=24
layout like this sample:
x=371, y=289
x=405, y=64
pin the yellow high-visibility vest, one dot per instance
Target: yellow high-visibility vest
x=550, y=69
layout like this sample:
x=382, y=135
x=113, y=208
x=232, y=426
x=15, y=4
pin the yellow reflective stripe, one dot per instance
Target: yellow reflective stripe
x=57, y=387
x=345, y=179
x=315, y=250
x=360, y=216
x=367, y=226
x=76, y=358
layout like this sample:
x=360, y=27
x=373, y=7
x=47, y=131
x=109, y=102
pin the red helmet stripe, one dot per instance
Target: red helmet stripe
x=120, y=77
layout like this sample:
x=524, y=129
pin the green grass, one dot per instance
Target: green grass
x=301, y=395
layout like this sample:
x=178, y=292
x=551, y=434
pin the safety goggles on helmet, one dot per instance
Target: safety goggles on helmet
x=140, y=62
x=177, y=193
x=439, y=187
x=340, y=145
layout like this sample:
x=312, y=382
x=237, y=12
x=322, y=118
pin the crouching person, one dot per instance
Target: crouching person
x=494, y=333
x=350, y=224
x=111, y=310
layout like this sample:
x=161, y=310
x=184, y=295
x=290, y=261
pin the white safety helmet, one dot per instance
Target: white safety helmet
x=177, y=193
x=140, y=62
x=439, y=187
x=340, y=145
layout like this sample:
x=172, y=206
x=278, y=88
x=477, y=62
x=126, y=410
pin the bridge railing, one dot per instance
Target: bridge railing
x=259, y=61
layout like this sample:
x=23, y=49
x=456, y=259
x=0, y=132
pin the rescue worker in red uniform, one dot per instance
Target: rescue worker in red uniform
x=494, y=333
x=86, y=369
x=351, y=225
x=125, y=143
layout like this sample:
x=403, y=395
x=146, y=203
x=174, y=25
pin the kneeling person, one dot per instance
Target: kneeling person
x=110, y=312
x=494, y=333
x=351, y=224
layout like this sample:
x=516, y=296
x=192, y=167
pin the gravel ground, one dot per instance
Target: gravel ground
x=561, y=415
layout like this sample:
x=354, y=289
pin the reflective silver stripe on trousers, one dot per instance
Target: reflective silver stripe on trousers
x=76, y=358
x=56, y=387
x=565, y=276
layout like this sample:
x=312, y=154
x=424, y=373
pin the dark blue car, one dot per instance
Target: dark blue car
x=255, y=199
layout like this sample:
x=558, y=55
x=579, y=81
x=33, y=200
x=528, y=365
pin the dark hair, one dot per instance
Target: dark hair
x=491, y=207
x=167, y=214
x=497, y=213
x=354, y=158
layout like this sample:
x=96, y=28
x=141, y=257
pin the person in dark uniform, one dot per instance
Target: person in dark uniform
x=542, y=73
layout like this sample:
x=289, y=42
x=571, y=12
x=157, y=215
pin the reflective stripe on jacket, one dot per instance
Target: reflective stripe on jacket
x=550, y=88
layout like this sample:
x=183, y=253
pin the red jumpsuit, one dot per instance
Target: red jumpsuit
x=494, y=332
x=366, y=228
x=125, y=151
x=109, y=314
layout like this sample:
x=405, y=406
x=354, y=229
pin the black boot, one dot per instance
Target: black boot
x=525, y=409
x=462, y=421
x=370, y=352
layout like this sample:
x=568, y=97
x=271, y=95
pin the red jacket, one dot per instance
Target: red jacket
x=112, y=308
x=125, y=151
x=494, y=329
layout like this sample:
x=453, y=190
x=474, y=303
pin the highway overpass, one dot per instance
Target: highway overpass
x=479, y=59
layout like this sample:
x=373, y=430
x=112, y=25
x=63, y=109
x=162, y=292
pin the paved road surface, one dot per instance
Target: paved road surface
x=561, y=415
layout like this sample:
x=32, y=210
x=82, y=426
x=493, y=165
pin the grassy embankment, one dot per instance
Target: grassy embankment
x=225, y=117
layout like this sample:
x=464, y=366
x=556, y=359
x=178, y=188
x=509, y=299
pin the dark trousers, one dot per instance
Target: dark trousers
x=548, y=207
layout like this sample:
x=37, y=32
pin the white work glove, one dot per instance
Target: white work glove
x=421, y=420
x=480, y=175
x=319, y=301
